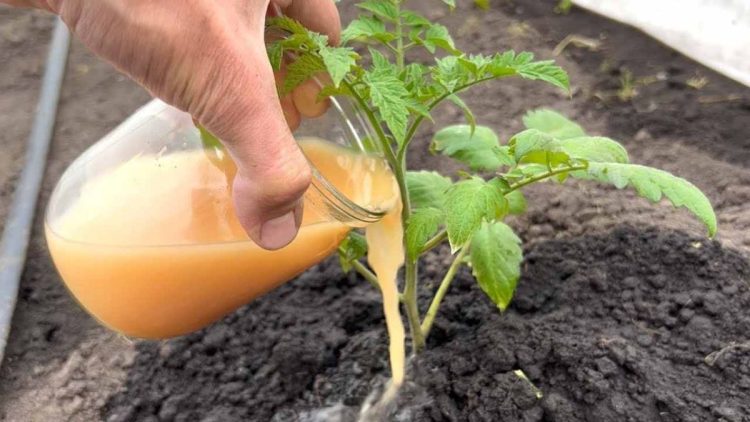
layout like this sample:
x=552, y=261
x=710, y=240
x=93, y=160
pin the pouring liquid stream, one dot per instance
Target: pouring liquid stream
x=153, y=248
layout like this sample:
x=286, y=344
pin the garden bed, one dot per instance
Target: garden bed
x=615, y=319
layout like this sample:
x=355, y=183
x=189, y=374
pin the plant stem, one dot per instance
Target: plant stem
x=410, y=302
x=418, y=121
x=366, y=273
x=435, y=241
x=387, y=150
x=399, y=37
x=429, y=318
x=409, y=297
x=550, y=173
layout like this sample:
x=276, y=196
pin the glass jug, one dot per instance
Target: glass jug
x=142, y=230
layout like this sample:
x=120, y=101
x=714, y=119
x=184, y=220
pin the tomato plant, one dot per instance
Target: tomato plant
x=467, y=210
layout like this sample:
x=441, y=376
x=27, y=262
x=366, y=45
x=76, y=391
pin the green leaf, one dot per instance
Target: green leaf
x=449, y=73
x=507, y=63
x=510, y=63
x=427, y=189
x=496, y=257
x=468, y=115
x=437, y=36
x=450, y=3
x=596, y=149
x=546, y=71
x=414, y=74
x=367, y=27
x=482, y=4
x=467, y=204
x=516, y=202
x=380, y=62
x=533, y=146
x=479, y=150
x=208, y=139
x=338, y=61
x=423, y=224
x=330, y=91
x=275, y=53
x=416, y=107
x=414, y=19
x=552, y=123
x=287, y=24
x=389, y=95
x=302, y=69
x=383, y=9
x=352, y=248
x=652, y=184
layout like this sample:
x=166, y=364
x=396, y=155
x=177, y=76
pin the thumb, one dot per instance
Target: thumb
x=272, y=173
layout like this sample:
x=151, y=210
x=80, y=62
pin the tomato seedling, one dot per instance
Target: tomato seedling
x=397, y=95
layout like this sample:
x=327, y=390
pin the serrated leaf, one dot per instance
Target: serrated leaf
x=367, y=27
x=496, y=257
x=414, y=19
x=414, y=74
x=438, y=36
x=423, y=224
x=467, y=204
x=330, y=91
x=352, y=248
x=302, y=69
x=533, y=146
x=595, y=149
x=468, y=114
x=546, y=71
x=553, y=123
x=652, y=184
x=516, y=202
x=382, y=9
x=479, y=150
x=287, y=24
x=389, y=95
x=427, y=189
x=509, y=63
x=319, y=41
x=338, y=62
x=449, y=73
x=378, y=59
x=418, y=108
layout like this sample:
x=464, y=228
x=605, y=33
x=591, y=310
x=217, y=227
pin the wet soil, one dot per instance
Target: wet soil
x=614, y=319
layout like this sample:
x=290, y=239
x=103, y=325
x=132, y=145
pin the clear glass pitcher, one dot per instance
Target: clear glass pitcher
x=168, y=278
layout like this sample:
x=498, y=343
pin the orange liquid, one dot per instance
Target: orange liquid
x=153, y=249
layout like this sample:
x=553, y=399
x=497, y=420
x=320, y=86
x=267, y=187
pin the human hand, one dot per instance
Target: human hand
x=208, y=58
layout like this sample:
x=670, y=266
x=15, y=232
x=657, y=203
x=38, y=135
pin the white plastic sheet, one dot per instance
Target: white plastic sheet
x=715, y=33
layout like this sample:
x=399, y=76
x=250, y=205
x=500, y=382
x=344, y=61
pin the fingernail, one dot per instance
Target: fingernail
x=278, y=232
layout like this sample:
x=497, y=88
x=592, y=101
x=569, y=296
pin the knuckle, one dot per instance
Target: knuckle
x=285, y=181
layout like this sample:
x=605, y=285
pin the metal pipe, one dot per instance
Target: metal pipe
x=15, y=240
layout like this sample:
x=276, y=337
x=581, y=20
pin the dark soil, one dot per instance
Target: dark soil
x=636, y=325
x=614, y=319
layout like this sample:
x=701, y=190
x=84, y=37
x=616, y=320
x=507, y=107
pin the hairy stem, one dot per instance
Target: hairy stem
x=366, y=273
x=410, y=302
x=545, y=175
x=418, y=121
x=435, y=241
x=429, y=318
